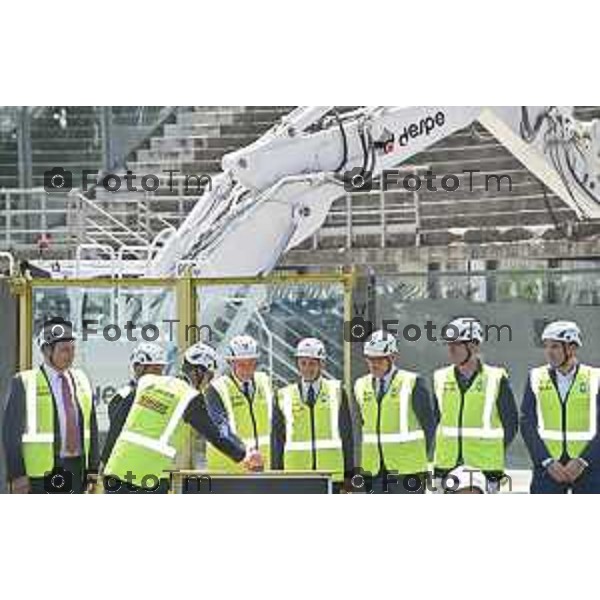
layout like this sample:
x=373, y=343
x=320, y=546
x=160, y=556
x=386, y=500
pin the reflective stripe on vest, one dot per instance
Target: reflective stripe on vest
x=581, y=404
x=38, y=437
x=32, y=435
x=162, y=444
x=330, y=392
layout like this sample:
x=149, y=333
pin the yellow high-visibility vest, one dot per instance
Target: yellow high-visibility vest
x=578, y=428
x=480, y=429
x=251, y=424
x=327, y=442
x=153, y=433
x=401, y=435
x=38, y=438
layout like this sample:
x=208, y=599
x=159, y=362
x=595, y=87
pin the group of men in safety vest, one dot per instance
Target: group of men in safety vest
x=382, y=436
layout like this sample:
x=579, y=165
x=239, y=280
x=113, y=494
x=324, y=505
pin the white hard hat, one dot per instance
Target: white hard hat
x=563, y=331
x=311, y=348
x=148, y=353
x=466, y=478
x=381, y=344
x=464, y=329
x=242, y=347
x=201, y=355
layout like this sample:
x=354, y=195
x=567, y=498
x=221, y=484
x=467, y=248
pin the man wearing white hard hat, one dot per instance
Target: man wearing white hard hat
x=153, y=434
x=199, y=365
x=475, y=407
x=397, y=421
x=312, y=424
x=198, y=368
x=49, y=432
x=146, y=358
x=559, y=416
x=242, y=400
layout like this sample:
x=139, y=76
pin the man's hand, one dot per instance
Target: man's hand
x=558, y=472
x=253, y=461
x=20, y=485
x=573, y=469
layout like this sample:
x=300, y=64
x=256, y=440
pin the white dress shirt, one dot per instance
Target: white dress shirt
x=564, y=381
x=316, y=385
x=54, y=377
x=387, y=380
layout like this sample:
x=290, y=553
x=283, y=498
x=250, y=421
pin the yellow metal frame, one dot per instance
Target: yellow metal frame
x=185, y=289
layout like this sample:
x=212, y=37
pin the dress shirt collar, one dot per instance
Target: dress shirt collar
x=387, y=379
x=316, y=385
x=570, y=374
x=241, y=384
x=52, y=372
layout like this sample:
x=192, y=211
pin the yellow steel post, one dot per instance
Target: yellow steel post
x=186, y=311
x=185, y=291
x=21, y=287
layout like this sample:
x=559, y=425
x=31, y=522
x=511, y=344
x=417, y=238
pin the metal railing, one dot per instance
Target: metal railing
x=36, y=219
x=28, y=214
x=376, y=213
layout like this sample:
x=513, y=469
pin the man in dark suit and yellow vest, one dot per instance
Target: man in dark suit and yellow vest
x=398, y=423
x=475, y=407
x=50, y=434
x=312, y=424
x=560, y=416
x=242, y=401
x=147, y=358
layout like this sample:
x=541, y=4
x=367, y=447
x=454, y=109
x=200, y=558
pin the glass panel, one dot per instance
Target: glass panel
x=278, y=315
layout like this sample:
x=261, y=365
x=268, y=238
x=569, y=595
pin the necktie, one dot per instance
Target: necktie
x=380, y=395
x=381, y=392
x=310, y=401
x=247, y=392
x=310, y=395
x=72, y=433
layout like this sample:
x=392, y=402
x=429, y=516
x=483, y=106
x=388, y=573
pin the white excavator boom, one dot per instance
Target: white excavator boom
x=277, y=192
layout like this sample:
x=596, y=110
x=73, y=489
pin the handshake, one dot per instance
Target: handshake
x=253, y=461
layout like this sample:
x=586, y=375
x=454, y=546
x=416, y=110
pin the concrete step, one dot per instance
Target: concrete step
x=196, y=167
x=484, y=207
x=494, y=218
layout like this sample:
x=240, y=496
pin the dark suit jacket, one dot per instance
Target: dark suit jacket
x=14, y=426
